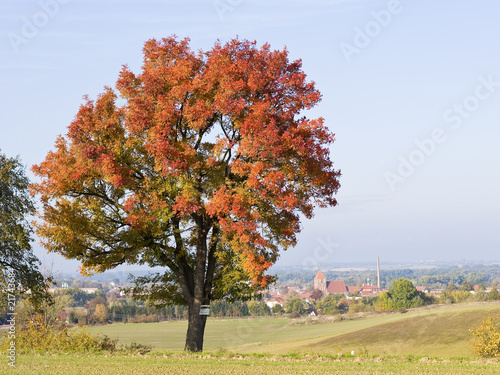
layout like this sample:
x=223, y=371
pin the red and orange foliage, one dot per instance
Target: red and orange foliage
x=202, y=160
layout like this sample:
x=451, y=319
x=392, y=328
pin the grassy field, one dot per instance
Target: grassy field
x=437, y=339
x=178, y=364
x=436, y=332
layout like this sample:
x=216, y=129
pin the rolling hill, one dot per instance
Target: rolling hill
x=434, y=331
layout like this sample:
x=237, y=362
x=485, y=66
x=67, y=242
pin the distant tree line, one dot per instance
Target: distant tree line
x=435, y=278
x=85, y=308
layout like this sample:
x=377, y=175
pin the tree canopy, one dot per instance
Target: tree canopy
x=402, y=295
x=201, y=164
x=17, y=261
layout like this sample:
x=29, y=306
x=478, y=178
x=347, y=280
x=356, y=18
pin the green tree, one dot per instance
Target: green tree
x=278, y=309
x=383, y=302
x=239, y=309
x=451, y=287
x=466, y=286
x=404, y=295
x=264, y=309
x=297, y=305
x=258, y=308
x=401, y=295
x=78, y=296
x=343, y=305
x=253, y=308
x=328, y=304
x=72, y=318
x=18, y=265
x=494, y=295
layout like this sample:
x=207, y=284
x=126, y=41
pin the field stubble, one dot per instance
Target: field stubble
x=180, y=363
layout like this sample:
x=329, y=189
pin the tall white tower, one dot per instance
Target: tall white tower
x=378, y=273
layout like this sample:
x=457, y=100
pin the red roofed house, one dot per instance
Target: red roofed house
x=336, y=287
x=369, y=290
x=352, y=289
x=329, y=287
x=305, y=296
x=276, y=300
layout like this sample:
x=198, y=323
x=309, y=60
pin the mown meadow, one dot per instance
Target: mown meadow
x=421, y=341
x=442, y=331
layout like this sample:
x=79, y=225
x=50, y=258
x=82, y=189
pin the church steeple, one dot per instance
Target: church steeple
x=320, y=282
x=319, y=275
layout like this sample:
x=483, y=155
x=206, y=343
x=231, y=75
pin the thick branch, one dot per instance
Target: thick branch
x=184, y=272
x=211, y=263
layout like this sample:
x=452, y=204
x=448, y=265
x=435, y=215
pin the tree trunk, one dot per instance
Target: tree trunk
x=196, y=329
x=197, y=291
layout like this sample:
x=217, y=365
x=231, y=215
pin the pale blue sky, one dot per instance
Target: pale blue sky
x=391, y=72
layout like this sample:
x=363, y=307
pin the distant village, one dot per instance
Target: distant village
x=368, y=290
x=325, y=287
x=89, y=301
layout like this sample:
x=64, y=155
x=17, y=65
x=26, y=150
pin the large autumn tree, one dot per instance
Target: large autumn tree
x=201, y=164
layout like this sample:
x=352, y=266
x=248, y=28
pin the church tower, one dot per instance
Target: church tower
x=320, y=282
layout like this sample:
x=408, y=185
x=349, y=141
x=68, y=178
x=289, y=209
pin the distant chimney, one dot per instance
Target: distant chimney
x=378, y=273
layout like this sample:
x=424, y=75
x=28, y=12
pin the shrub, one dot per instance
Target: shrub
x=487, y=342
x=107, y=343
x=383, y=302
x=138, y=348
x=296, y=305
x=455, y=296
x=359, y=307
x=38, y=334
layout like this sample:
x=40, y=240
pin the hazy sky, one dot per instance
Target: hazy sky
x=411, y=89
